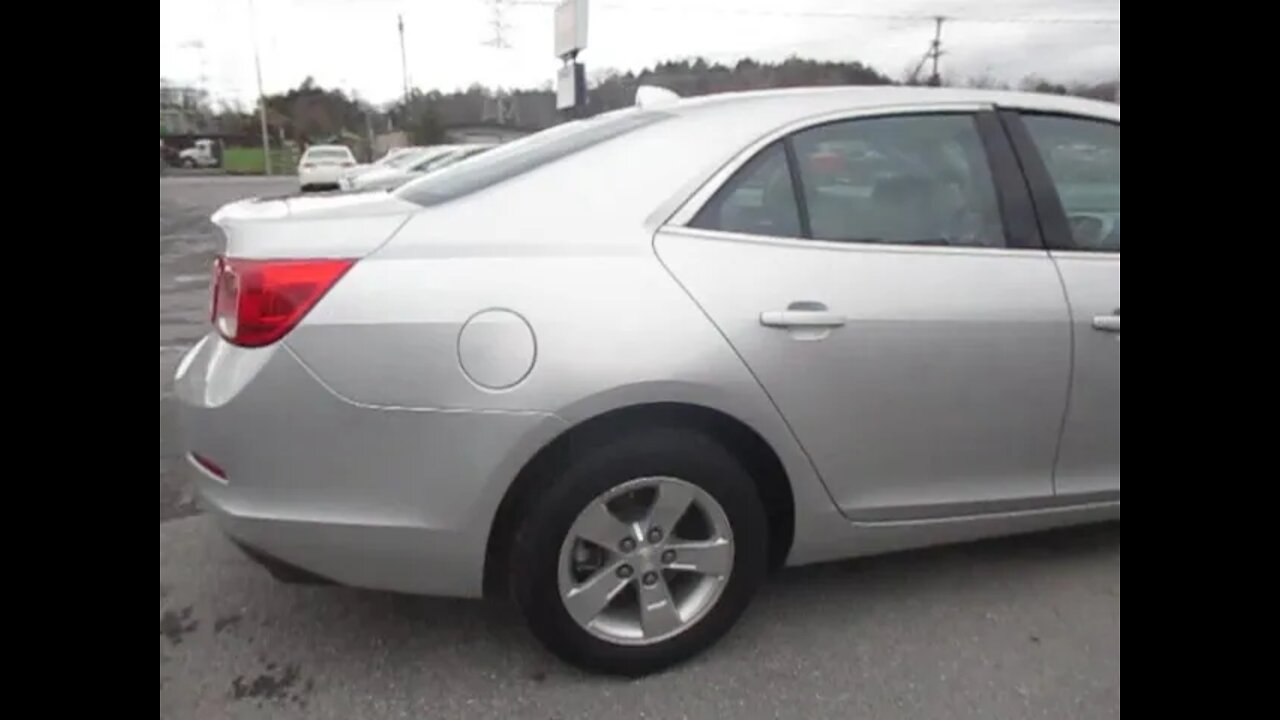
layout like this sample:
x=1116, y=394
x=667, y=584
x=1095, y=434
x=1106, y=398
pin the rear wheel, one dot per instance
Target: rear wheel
x=642, y=553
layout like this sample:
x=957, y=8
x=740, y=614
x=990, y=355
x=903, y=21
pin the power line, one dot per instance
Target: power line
x=836, y=14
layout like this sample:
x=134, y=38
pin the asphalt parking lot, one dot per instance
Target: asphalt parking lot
x=1025, y=627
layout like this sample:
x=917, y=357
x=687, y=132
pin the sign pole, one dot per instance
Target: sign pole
x=571, y=39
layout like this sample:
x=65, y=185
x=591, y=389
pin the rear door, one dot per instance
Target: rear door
x=883, y=278
x=1073, y=167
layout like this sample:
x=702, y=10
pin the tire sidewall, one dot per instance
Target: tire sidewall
x=677, y=453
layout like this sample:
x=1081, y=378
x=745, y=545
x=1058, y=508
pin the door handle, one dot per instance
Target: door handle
x=801, y=319
x=1107, y=323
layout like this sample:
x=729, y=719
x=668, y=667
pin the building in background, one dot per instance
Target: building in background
x=183, y=109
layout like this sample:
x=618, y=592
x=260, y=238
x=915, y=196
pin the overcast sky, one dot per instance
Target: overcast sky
x=353, y=44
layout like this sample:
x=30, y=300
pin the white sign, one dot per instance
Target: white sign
x=566, y=88
x=571, y=27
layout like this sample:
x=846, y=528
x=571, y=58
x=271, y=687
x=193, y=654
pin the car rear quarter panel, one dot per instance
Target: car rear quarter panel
x=568, y=247
x=612, y=328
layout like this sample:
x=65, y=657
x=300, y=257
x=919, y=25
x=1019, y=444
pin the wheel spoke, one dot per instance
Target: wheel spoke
x=658, y=614
x=708, y=557
x=600, y=526
x=585, y=601
x=671, y=503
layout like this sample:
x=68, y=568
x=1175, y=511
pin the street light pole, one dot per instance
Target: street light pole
x=404, y=63
x=262, y=98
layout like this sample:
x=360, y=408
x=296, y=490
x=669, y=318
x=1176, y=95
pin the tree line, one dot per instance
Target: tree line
x=311, y=113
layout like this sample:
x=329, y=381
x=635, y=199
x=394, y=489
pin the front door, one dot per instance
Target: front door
x=865, y=273
x=1079, y=160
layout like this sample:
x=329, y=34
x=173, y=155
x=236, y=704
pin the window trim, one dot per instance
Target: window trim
x=797, y=187
x=1017, y=212
x=1021, y=232
x=843, y=246
x=1054, y=226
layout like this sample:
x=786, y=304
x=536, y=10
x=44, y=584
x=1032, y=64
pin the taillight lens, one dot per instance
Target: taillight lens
x=257, y=302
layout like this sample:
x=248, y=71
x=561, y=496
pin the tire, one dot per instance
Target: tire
x=537, y=559
x=189, y=164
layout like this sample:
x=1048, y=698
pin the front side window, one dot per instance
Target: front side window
x=1083, y=160
x=908, y=180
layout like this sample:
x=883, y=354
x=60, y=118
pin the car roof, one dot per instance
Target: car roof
x=329, y=147
x=806, y=100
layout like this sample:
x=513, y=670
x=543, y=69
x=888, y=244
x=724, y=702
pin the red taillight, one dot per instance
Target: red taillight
x=348, y=164
x=307, y=166
x=257, y=302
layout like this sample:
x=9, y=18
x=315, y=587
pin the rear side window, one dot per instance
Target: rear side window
x=1083, y=160
x=521, y=156
x=903, y=180
x=896, y=180
x=759, y=200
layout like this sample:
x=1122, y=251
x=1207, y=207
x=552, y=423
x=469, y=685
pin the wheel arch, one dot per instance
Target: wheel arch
x=751, y=448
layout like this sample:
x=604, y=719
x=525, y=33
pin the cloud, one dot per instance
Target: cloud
x=354, y=44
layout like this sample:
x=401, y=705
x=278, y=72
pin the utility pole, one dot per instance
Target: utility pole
x=404, y=64
x=262, y=98
x=935, y=51
x=932, y=54
x=502, y=107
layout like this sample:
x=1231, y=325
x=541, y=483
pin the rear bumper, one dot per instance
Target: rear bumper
x=320, y=176
x=388, y=499
x=281, y=570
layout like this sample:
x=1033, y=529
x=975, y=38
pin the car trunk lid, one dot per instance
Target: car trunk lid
x=333, y=226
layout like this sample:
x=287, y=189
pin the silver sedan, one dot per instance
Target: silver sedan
x=621, y=368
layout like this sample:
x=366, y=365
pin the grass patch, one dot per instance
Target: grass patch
x=249, y=161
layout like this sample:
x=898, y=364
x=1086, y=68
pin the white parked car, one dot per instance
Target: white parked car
x=431, y=159
x=323, y=166
x=395, y=158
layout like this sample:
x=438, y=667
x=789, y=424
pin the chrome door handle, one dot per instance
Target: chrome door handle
x=801, y=319
x=1107, y=323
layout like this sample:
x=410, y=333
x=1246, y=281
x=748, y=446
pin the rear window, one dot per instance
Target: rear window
x=521, y=156
x=328, y=154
